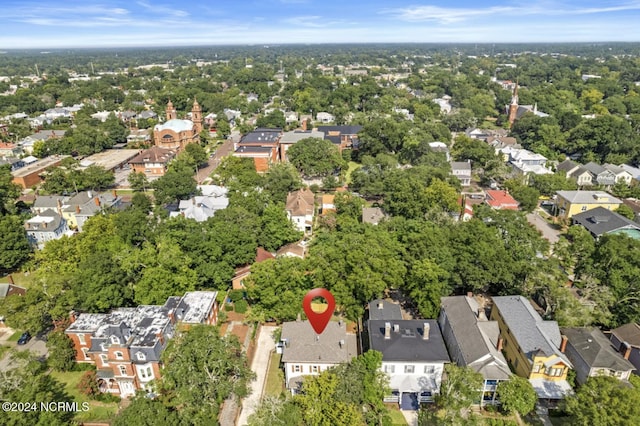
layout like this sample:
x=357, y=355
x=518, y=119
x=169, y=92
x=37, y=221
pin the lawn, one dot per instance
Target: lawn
x=275, y=377
x=19, y=278
x=397, y=419
x=3, y=350
x=98, y=411
x=352, y=166
x=14, y=337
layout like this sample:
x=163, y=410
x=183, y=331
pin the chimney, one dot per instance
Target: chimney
x=425, y=330
x=59, y=206
x=380, y=305
x=304, y=124
x=44, y=225
x=387, y=330
x=77, y=209
x=396, y=328
x=114, y=193
x=73, y=316
x=341, y=343
x=89, y=194
x=627, y=350
x=469, y=294
x=563, y=344
x=500, y=343
x=97, y=201
x=160, y=337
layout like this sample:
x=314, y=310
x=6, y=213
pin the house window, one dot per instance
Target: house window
x=81, y=339
x=119, y=355
x=146, y=373
x=390, y=369
x=103, y=346
x=103, y=358
x=583, y=208
x=141, y=356
x=123, y=370
x=296, y=368
x=84, y=352
x=314, y=369
x=429, y=369
x=409, y=369
x=115, y=340
x=555, y=372
x=536, y=368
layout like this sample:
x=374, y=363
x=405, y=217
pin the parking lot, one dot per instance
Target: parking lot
x=36, y=345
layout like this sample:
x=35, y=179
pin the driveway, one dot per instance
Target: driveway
x=264, y=346
x=36, y=345
x=548, y=232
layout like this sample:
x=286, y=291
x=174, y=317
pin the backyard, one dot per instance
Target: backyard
x=98, y=411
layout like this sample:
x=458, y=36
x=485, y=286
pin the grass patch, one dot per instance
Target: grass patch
x=275, y=376
x=352, y=166
x=19, y=279
x=98, y=411
x=3, y=350
x=14, y=337
x=397, y=419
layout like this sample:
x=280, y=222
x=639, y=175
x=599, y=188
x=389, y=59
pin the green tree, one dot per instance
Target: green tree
x=276, y=412
x=175, y=184
x=62, y=353
x=203, y=369
x=315, y=157
x=549, y=184
x=427, y=283
x=517, y=395
x=14, y=246
x=196, y=153
x=9, y=191
x=276, y=230
x=143, y=411
x=605, y=401
x=461, y=389
x=138, y=181
x=97, y=178
x=626, y=211
x=281, y=179
x=321, y=406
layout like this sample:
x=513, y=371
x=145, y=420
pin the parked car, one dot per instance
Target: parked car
x=24, y=338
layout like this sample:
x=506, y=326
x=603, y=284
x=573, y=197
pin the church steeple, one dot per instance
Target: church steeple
x=196, y=115
x=513, y=106
x=171, y=111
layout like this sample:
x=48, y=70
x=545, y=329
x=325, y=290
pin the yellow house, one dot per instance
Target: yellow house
x=82, y=206
x=532, y=346
x=569, y=203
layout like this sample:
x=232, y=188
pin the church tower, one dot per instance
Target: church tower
x=513, y=106
x=196, y=116
x=171, y=111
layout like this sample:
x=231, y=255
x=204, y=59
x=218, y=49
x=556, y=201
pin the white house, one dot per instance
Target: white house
x=306, y=353
x=44, y=227
x=413, y=357
x=300, y=209
x=462, y=170
x=325, y=117
x=202, y=207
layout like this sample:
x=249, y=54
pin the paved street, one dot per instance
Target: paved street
x=548, y=232
x=223, y=150
x=260, y=364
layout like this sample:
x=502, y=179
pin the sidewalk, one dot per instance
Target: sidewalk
x=265, y=345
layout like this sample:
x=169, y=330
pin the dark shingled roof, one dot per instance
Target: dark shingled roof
x=383, y=310
x=595, y=349
x=601, y=221
x=407, y=344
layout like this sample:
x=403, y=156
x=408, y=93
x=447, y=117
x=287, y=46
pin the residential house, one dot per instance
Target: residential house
x=10, y=289
x=126, y=344
x=300, y=209
x=441, y=147
x=626, y=339
x=8, y=149
x=592, y=354
x=153, y=162
x=139, y=137
x=462, y=170
x=501, y=200
x=526, y=163
x=620, y=173
x=84, y=205
x=600, y=175
x=43, y=203
x=444, y=103
x=474, y=341
x=290, y=138
x=532, y=346
x=413, y=357
x=380, y=309
x=46, y=226
x=575, y=171
x=237, y=282
x=305, y=353
x=202, y=207
x=569, y=203
x=40, y=136
x=600, y=221
x=373, y=215
x=634, y=205
x=344, y=137
x=298, y=250
x=633, y=171
x=325, y=117
x=465, y=212
x=14, y=163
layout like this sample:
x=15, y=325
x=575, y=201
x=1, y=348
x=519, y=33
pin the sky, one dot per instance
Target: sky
x=119, y=23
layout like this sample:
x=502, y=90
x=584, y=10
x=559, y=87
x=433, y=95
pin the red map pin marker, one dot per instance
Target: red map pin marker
x=320, y=320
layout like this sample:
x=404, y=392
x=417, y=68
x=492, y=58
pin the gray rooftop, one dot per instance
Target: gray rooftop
x=406, y=342
x=530, y=331
x=295, y=136
x=629, y=333
x=380, y=309
x=461, y=165
x=475, y=337
x=595, y=349
x=304, y=345
x=195, y=306
x=589, y=197
x=601, y=221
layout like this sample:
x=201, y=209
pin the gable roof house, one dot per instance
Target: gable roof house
x=575, y=171
x=345, y=137
x=202, y=207
x=620, y=173
x=413, y=357
x=501, y=200
x=570, y=203
x=592, y=354
x=474, y=341
x=532, y=346
x=46, y=226
x=242, y=272
x=84, y=205
x=300, y=209
x=601, y=175
x=462, y=170
x=600, y=221
x=626, y=339
x=153, y=162
x=306, y=353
